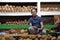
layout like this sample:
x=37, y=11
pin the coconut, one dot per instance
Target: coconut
x=58, y=38
x=33, y=36
x=28, y=39
x=36, y=38
x=53, y=38
x=22, y=9
x=39, y=36
x=12, y=31
x=43, y=36
x=22, y=31
x=26, y=30
x=41, y=39
x=21, y=39
x=30, y=36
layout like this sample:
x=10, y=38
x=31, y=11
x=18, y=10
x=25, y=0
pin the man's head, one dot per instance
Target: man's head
x=34, y=11
x=57, y=24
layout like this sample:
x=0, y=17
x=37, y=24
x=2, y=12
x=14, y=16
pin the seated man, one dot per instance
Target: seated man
x=35, y=22
x=57, y=28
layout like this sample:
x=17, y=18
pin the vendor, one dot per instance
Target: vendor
x=35, y=21
x=57, y=26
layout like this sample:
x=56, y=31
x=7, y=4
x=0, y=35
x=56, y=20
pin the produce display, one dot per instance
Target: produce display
x=8, y=22
x=17, y=22
x=26, y=36
x=50, y=6
x=21, y=26
x=17, y=7
x=16, y=27
x=11, y=8
x=22, y=34
x=50, y=9
x=48, y=20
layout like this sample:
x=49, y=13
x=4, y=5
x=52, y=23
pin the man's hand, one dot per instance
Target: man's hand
x=41, y=23
x=35, y=27
x=40, y=28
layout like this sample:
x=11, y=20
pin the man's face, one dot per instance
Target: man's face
x=34, y=13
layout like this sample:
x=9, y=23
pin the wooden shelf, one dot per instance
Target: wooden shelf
x=15, y=13
x=50, y=13
x=18, y=0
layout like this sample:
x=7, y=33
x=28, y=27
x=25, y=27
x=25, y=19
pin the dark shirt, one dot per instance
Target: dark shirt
x=57, y=29
x=35, y=22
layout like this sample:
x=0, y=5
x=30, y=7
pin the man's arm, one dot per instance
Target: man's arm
x=32, y=26
x=30, y=23
x=41, y=23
